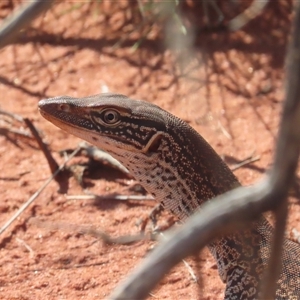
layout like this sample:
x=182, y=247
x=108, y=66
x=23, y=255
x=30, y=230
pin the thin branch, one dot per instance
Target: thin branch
x=287, y=150
x=245, y=162
x=35, y=195
x=11, y=115
x=6, y=131
x=102, y=156
x=255, y=9
x=20, y=19
x=99, y=234
x=275, y=263
x=111, y=197
x=51, y=161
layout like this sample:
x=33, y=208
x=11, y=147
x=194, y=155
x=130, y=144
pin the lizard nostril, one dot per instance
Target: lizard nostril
x=64, y=107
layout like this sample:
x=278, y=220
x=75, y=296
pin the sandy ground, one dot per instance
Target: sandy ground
x=229, y=87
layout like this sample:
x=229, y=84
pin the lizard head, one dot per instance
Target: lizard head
x=112, y=122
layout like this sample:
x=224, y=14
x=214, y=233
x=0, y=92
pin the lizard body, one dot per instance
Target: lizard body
x=182, y=171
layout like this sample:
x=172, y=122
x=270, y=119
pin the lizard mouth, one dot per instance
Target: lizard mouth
x=69, y=119
x=64, y=116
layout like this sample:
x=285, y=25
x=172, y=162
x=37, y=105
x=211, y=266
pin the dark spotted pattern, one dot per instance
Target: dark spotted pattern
x=181, y=170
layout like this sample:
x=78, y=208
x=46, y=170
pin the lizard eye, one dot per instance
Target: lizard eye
x=111, y=116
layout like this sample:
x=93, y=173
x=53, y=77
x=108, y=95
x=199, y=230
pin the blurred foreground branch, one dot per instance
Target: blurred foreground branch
x=20, y=19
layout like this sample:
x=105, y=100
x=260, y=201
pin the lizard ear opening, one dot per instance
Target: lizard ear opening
x=153, y=143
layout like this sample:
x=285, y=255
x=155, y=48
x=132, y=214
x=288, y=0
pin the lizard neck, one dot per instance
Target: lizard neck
x=181, y=170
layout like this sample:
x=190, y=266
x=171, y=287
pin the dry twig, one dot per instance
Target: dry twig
x=34, y=196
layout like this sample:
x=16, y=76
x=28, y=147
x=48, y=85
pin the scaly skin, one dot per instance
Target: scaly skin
x=182, y=171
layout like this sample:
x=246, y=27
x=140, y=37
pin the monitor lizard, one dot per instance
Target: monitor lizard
x=182, y=171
